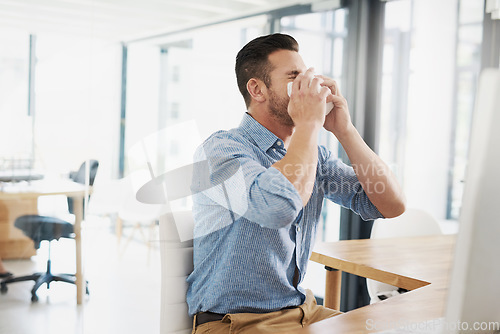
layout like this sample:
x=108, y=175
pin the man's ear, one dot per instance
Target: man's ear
x=257, y=90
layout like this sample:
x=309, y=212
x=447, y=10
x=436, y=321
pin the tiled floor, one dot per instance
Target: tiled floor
x=124, y=289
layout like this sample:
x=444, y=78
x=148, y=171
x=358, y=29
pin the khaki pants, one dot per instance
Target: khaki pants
x=274, y=322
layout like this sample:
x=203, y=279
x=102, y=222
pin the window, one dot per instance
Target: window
x=467, y=68
x=16, y=138
x=430, y=68
x=77, y=103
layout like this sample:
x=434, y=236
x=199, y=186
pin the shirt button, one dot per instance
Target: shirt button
x=274, y=150
x=278, y=143
x=298, y=228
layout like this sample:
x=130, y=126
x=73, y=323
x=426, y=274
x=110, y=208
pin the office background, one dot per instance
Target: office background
x=90, y=80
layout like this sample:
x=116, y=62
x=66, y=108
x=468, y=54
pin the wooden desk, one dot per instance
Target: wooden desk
x=21, y=200
x=421, y=264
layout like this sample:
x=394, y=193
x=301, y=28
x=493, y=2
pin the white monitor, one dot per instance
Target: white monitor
x=474, y=294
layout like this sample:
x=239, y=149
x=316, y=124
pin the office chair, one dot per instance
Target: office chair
x=176, y=264
x=414, y=222
x=40, y=228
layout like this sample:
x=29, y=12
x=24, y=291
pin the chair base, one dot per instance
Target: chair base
x=40, y=278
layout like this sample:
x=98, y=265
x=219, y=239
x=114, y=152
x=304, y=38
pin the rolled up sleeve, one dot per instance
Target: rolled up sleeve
x=341, y=185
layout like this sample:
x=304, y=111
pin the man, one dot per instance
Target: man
x=251, y=252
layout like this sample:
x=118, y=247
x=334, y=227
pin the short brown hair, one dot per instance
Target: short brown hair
x=253, y=60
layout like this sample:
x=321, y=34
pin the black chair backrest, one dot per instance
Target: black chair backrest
x=79, y=176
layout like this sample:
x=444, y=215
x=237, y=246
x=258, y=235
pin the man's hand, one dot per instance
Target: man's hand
x=308, y=100
x=338, y=121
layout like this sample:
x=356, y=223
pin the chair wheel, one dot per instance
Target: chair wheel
x=3, y=288
x=34, y=298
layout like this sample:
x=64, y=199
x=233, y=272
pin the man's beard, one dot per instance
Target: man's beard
x=278, y=107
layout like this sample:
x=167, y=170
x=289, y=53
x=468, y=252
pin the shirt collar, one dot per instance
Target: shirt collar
x=264, y=138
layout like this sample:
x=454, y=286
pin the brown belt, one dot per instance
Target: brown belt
x=204, y=317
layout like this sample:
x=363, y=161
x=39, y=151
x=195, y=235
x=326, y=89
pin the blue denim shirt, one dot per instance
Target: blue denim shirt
x=251, y=230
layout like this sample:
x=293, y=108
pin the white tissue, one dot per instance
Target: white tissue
x=329, y=105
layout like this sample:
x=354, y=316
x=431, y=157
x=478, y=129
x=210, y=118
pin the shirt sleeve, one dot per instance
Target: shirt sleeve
x=341, y=185
x=240, y=183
